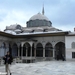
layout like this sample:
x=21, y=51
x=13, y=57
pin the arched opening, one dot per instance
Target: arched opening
x=3, y=49
x=14, y=50
x=26, y=49
x=60, y=51
x=48, y=50
x=39, y=50
x=33, y=50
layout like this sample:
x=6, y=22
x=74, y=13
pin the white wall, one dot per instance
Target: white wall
x=69, y=50
x=69, y=40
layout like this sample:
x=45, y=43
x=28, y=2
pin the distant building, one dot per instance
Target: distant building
x=38, y=41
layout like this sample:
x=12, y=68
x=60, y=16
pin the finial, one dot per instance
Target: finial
x=43, y=10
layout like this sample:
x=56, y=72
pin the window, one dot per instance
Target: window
x=73, y=45
x=18, y=27
x=73, y=54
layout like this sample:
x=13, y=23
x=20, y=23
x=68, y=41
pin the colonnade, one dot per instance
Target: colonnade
x=32, y=49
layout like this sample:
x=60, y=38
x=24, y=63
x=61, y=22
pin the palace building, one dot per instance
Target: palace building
x=38, y=41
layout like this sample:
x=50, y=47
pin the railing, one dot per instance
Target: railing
x=28, y=58
x=17, y=60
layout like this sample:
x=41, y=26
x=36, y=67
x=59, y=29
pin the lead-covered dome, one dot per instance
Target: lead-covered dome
x=38, y=20
x=39, y=16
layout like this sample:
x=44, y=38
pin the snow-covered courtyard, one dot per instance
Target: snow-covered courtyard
x=43, y=68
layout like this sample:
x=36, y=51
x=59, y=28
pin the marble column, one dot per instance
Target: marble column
x=53, y=53
x=31, y=52
x=18, y=52
x=43, y=52
x=21, y=52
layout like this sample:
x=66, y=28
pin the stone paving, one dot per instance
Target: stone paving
x=43, y=68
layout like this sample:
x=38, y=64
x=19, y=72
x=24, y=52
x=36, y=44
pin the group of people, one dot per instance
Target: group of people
x=8, y=59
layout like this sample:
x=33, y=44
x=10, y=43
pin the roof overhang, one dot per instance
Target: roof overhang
x=40, y=34
x=6, y=34
x=45, y=34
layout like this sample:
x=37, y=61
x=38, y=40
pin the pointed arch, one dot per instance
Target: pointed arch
x=48, y=50
x=60, y=50
x=26, y=49
x=14, y=50
x=39, y=50
x=3, y=49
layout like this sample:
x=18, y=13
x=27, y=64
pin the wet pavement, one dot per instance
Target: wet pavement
x=43, y=68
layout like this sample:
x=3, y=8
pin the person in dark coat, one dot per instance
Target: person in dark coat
x=7, y=61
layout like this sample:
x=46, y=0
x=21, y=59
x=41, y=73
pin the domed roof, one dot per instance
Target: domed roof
x=10, y=32
x=39, y=16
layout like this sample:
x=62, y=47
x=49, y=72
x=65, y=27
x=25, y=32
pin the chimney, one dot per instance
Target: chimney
x=74, y=29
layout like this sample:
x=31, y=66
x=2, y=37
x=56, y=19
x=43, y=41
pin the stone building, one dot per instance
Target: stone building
x=38, y=41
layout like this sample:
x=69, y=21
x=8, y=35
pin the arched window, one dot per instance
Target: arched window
x=73, y=45
x=18, y=27
x=3, y=45
x=2, y=49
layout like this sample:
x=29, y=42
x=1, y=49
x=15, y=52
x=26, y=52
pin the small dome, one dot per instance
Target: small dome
x=10, y=32
x=39, y=16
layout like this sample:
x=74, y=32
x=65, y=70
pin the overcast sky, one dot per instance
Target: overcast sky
x=60, y=12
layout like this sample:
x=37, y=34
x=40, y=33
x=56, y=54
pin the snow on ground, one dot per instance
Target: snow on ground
x=43, y=68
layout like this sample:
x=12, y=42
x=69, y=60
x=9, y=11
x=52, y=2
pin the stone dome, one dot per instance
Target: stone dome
x=38, y=20
x=39, y=16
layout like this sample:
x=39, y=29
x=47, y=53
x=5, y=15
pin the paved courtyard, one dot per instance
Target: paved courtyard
x=43, y=68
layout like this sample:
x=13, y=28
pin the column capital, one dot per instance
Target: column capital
x=22, y=43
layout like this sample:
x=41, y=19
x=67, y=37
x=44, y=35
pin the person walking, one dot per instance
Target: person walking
x=7, y=61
